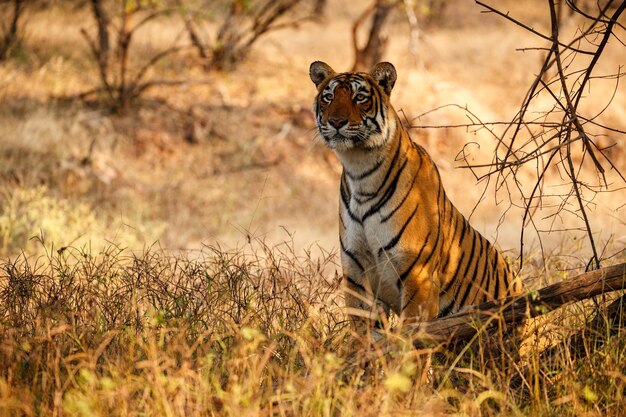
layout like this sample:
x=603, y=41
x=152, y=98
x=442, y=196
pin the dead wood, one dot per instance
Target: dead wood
x=372, y=51
x=10, y=38
x=513, y=311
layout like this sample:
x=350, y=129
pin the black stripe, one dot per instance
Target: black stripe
x=453, y=279
x=457, y=218
x=353, y=282
x=467, y=292
x=419, y=254
x=432, y=252
x=463, y=277
x=482, y=289
x=380, y=110
x=471, y=256
x=388, y=173
x=490, y=252
x=345, y=198
x=410, y=300
x=447, y=310
x=373, y=120
x=393, y=242
x=496, y=291
x=368, y=196
x=452, y=240
x=367, y=173
x=451, y=237
x=383, y=219
x=491, y=283
x=472, y=281
x=446, y=262
x=463, y=230
x=507, y=283
x=351, y=255
x=388, y=194
x=442, y=215
x=434, y=249
x=391, y=213
x=480, y=257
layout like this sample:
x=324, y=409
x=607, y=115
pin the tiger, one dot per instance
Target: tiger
x=403, y=243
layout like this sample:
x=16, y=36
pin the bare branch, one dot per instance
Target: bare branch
x=557, y=140
x=514, y=310
x=528, y=28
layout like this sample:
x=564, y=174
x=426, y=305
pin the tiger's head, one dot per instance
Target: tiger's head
x=352, y=109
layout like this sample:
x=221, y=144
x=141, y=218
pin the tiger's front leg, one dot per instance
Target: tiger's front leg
x=420, y=296
x=358, y=304
x=363, y=307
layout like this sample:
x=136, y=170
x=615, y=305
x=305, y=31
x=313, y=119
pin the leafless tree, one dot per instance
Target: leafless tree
x=243, y=24
x=117, y=23
x=563, y=144
x=10, y=33
x=371, y=53
x=417, y=12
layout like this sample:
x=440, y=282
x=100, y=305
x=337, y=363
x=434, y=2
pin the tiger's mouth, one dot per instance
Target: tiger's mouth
x=352, y=138
x=336, y=140
x=363, y=139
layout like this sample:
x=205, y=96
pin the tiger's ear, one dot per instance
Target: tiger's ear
x=385, y=75
x=319, y=71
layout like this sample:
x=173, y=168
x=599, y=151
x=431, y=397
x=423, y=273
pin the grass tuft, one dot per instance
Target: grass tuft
x=256, y=331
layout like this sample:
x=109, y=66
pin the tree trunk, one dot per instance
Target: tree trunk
x=103, y=34
x=102, y=47
x=366, y=57
x=319, y=7
x=514, y=310
x=11, y=36
x=124, y=39
x=228, y=38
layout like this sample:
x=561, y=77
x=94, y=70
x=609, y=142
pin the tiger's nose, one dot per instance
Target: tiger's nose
x=337, y=122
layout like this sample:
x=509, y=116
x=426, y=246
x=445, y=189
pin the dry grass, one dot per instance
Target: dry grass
x=96, y=319
x=218, y=332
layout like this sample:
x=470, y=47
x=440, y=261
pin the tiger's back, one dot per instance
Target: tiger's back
x=402, y=240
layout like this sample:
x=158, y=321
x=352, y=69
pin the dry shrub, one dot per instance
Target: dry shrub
x=254, y=331
x=29, y=216
x=112, y=332
x=241, y=25
x=215, y=333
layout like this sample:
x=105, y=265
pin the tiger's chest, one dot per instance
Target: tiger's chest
x=370, y=253
x=383, y=216
x=380, y=235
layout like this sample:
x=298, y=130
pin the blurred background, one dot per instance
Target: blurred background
x=185, y=123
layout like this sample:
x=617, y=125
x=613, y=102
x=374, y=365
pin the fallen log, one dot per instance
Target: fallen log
x=514, y=310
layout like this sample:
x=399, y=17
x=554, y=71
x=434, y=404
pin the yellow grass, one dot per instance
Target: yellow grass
x=219, y=333
x=236, y=309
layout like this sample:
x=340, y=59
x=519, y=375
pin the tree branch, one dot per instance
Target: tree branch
x=514, y=310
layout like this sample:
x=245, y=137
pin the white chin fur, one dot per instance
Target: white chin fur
x=340, y=144
x=343, y=144
x=375, y=140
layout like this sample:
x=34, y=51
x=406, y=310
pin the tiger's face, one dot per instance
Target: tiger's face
x=352, y=110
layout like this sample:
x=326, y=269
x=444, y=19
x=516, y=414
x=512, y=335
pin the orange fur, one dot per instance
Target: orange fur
x=403, y=242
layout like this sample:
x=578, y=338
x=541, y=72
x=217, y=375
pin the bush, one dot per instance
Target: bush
x=30, y=217
x=255, y=331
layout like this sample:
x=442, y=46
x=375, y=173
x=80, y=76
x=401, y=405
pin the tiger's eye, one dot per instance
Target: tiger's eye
x=360, y=97
x=327, y=97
